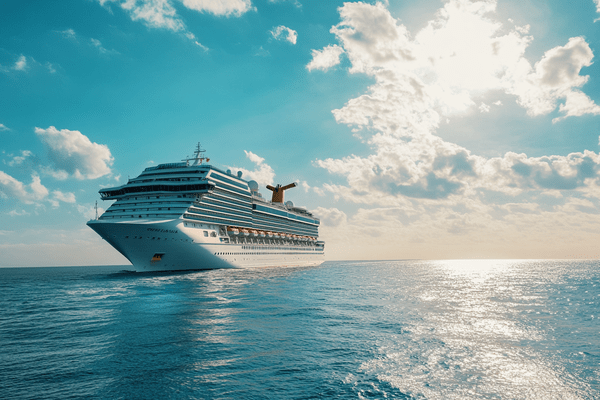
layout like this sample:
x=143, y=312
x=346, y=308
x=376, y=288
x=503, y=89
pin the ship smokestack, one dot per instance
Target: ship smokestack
x=278, y=192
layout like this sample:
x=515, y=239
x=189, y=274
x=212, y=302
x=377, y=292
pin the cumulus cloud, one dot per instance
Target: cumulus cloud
x=597, y=9
x=15, y=213
x=163, y=15
x=64, y=197
x=331, y=217
x=220, y=7
x=73, y=153
x=20, y=64
x=420, y=80
x=18, y=160
x=556, y=76
x=28, y=194
x=263, y=173
x=326, y=58
x=154, y=13
x=284, y=33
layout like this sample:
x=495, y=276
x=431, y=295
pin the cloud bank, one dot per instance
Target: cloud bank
x=416, y=177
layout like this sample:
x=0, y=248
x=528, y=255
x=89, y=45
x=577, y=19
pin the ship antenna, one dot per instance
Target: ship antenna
x=198, y=156
x=96, y=207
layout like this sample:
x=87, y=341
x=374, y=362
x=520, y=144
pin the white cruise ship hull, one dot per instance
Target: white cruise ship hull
x=172, y=245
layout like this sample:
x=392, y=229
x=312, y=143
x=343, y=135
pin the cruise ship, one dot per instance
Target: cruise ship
x=190, y=215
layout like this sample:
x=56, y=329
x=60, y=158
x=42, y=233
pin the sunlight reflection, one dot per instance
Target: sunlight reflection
x=476, y=270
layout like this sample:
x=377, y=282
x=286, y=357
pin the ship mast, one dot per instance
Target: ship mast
x=198, y=157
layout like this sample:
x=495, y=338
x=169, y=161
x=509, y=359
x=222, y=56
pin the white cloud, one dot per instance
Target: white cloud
x=163, y=15
x=17, y=160
x=89, y=210
x=98, y=45
x=263, y=173
x=154, y=13
x=64, y=197
x=20, y=64
x=74, y=153
x=15, y=213
x=577, y=104
x=326, y=58
x=419, y=81
x=3, y=128
x=284, y=33
x=331, y=217
x=523, y=29
x=220, y=7
x=192, y=37
x=29, y=194
x=597, y=9
x=61, y=175
x=69, y=34
x=261, y=52
x=554, y=77
x=51, y=68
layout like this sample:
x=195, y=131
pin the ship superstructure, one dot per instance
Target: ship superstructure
x=192, y=215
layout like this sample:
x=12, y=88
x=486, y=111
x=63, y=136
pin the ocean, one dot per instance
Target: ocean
x=462, y=329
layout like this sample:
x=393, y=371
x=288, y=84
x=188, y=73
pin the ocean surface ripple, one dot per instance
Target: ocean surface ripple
x=463, y=329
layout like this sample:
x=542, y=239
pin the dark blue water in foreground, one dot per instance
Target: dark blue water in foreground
x=345, y=330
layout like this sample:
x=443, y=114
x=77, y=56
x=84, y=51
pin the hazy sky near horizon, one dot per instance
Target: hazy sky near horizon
x=415, y=129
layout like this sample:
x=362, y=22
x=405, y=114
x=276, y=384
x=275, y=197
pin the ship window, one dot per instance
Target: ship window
x=213, y=234
x=205, y=234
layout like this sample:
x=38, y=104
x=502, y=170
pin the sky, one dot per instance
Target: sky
x=423, y=129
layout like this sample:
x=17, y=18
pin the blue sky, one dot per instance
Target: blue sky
x=416, y=129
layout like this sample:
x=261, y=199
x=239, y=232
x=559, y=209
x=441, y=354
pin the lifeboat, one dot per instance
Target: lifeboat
x=270, y=234
x=245, y=232
x=254, y=233
x=261, y=234
x=233, y=231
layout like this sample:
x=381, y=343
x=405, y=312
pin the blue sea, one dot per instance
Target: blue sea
x=464, y=329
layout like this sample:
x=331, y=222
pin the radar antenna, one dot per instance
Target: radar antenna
x=96, y=207
x=198, y=157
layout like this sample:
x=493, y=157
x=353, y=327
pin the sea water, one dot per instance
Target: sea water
x=480, y=329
